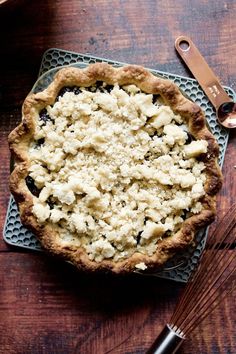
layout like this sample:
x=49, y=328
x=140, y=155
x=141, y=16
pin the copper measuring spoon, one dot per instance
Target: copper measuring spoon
x=224, y=105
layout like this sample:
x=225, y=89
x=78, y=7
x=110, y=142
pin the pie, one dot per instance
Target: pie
x=115, y=169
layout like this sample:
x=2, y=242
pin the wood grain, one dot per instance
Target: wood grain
x=45, y=305
x=48, y=307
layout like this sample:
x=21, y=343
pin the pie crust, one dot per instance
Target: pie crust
x=21, y=138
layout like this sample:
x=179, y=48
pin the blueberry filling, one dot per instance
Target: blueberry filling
x=108, y=88
x=190, y=138
x=74, y=89
x=64, y=90
x=138, y=238
x=147, y=156
x=99, y=84
x=50, y=202
x=44, y=116
x=155, y=98
x=104, y=86
x=40, y=142
x=167, y=234
x=31, y=186
x=184, y=214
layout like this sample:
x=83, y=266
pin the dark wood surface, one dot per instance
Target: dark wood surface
x=46, y=306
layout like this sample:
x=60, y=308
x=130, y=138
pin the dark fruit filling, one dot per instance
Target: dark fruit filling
x=74, y=89
x=50, y=202
x=32, y=187
x=99, y=83
x=103, y=85
x=108, y=88
x=40, y=142
x=190, y=138
x=138, y=237
x=155, y=98
x=167, y=234
x=44, y=116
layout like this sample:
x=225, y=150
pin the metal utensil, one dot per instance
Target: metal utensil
x=214, y=279
x=225, y=107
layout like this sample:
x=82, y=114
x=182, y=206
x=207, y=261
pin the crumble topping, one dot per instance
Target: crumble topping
x=141, y=266
x=115, y=171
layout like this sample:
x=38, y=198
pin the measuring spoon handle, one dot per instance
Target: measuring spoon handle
x=201, y=71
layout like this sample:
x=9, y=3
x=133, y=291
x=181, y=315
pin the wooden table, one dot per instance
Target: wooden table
x=45, y=305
